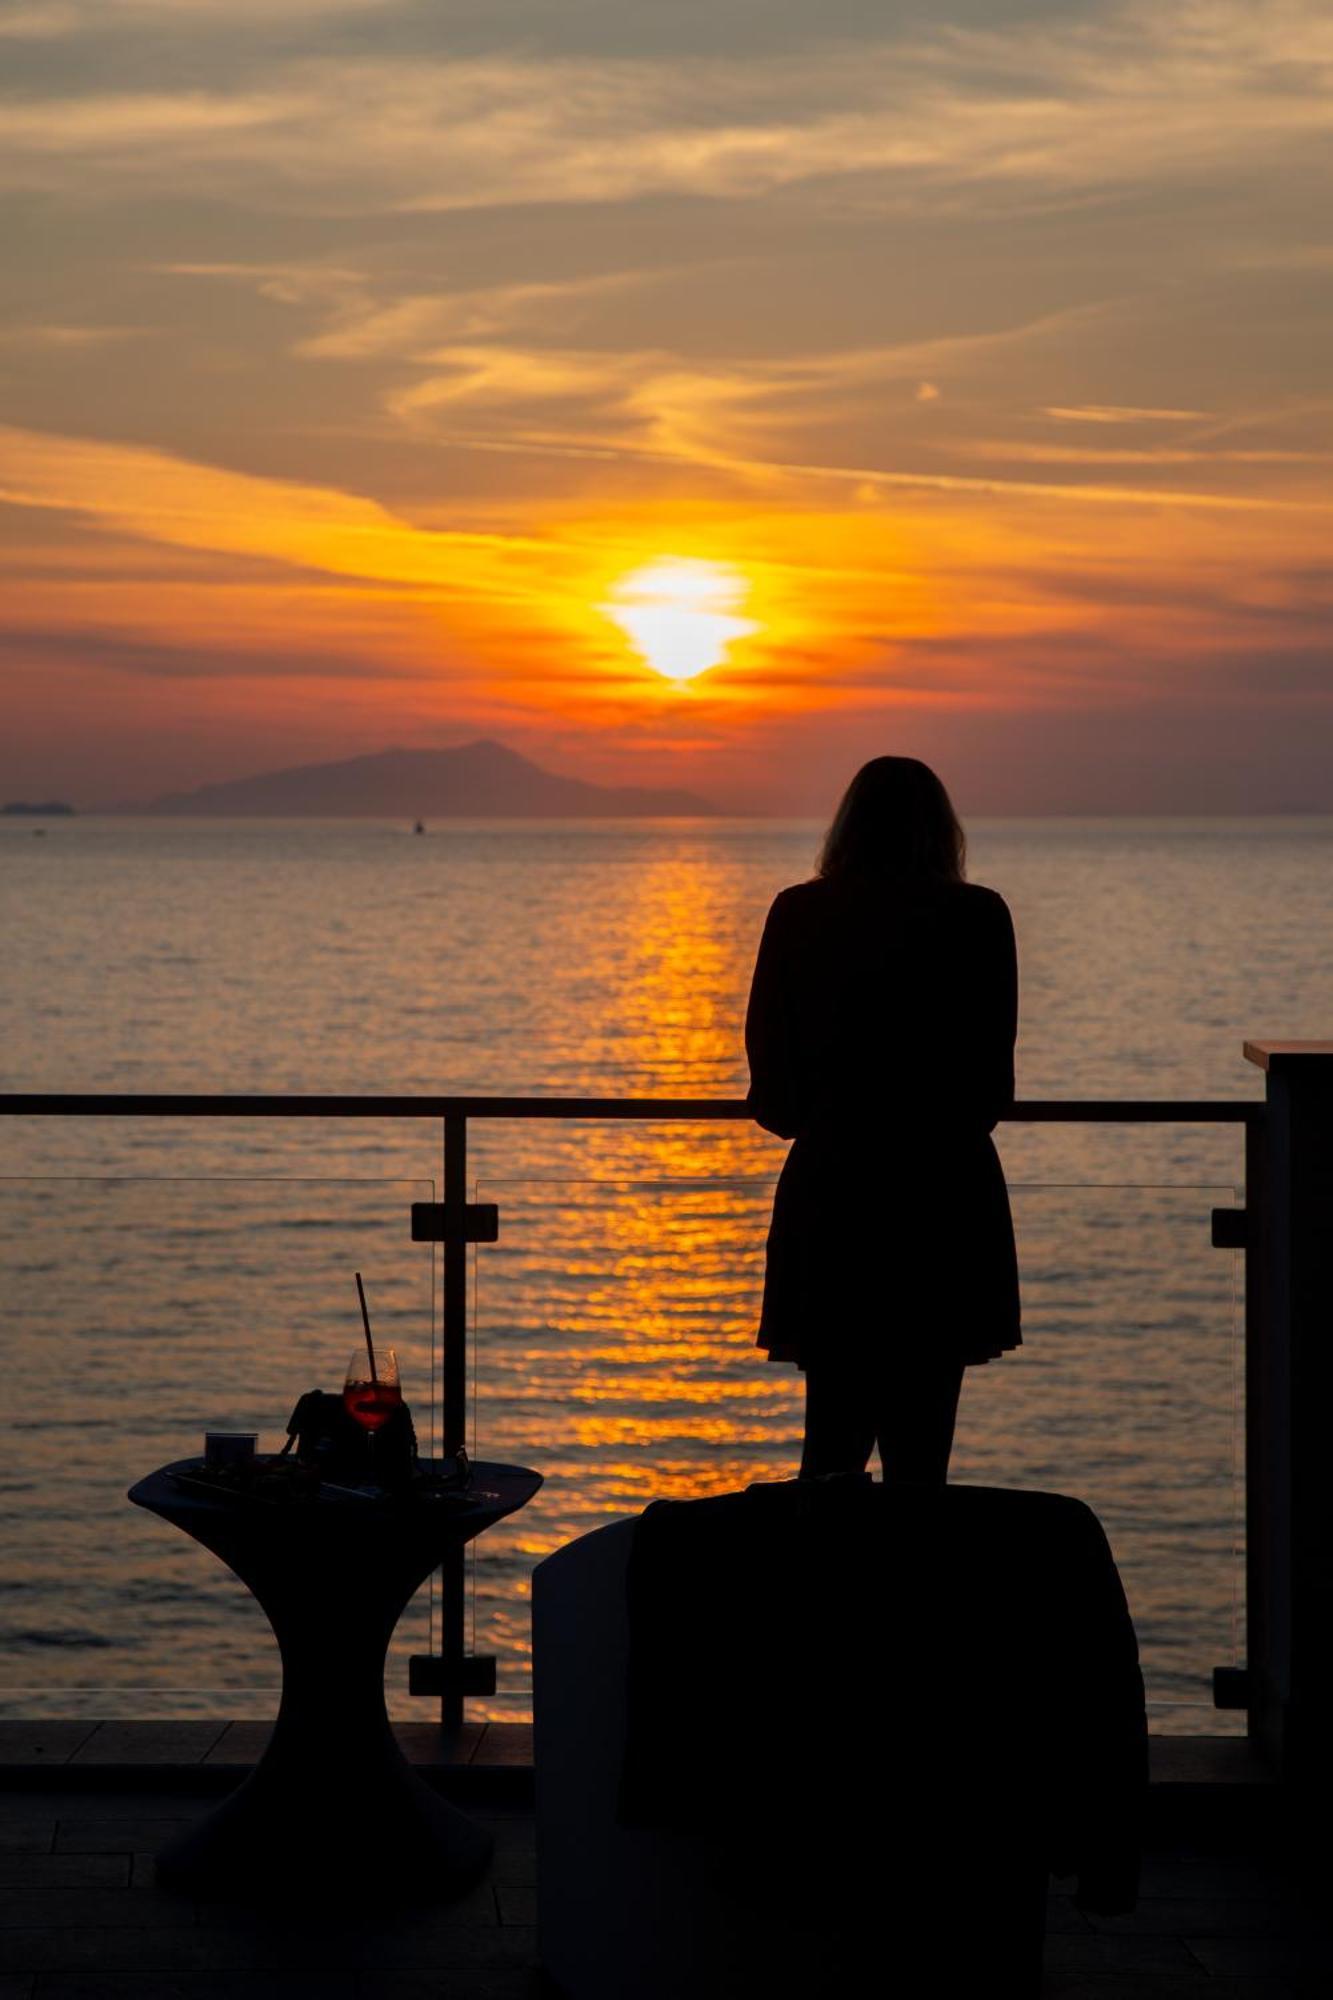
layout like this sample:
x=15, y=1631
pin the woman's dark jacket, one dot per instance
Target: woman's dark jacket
x=880, y=1034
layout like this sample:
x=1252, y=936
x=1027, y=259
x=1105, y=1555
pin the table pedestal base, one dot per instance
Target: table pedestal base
x=333, y=1809
x=376, y=1834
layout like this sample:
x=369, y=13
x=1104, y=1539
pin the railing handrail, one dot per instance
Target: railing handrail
x=268, y=1104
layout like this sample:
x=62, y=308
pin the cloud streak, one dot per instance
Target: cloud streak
x=1122, y=100
x=1105, y=414
x=164, y=498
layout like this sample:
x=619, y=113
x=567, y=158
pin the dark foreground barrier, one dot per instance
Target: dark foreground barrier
x=977, y=1648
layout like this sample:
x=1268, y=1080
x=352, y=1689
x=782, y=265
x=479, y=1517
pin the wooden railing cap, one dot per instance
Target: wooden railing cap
x=1286, y=1055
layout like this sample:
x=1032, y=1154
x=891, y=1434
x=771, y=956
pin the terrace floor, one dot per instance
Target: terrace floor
x=1222, y=1916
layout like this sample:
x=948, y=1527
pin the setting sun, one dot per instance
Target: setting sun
x=680, y=614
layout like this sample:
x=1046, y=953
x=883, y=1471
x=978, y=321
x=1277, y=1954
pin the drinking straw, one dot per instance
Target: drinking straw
x=365, y=1321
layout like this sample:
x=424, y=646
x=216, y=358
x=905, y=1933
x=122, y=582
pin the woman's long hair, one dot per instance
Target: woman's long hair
x=895, y=819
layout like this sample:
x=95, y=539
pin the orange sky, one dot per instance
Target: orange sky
x=340, y=393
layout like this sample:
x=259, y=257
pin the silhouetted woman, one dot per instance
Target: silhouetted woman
x=880, y=1034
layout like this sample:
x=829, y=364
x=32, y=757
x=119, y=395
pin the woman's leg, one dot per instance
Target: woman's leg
x=839, y=1420
x=917, y=1407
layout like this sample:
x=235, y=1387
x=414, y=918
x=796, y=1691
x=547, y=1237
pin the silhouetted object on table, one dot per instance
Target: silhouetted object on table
x=333, y=1444
x=796, y=1738
x=333, y=1806
x=880, y=1033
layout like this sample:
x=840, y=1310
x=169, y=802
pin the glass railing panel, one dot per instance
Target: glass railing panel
x=614, y=1352
x=1129, y=1394
x=138, y=1313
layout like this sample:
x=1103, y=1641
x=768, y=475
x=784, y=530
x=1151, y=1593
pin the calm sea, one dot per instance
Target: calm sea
x=158, y=1278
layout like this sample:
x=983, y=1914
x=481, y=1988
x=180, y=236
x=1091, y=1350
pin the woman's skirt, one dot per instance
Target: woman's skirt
x=876, y=1245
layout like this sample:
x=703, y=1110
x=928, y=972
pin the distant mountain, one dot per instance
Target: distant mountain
x=50, y=809
x=479, y=780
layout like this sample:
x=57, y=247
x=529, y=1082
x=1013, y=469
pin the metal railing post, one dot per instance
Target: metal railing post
x=1267, y=1527
x=453, y=1574
x=454, y=1371
x=1296, y=1386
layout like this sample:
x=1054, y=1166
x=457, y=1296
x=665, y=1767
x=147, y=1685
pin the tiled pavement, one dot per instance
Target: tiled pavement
x=80, y=1918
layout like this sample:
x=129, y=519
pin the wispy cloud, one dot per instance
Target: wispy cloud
x=712, y=411
x=164, y=498
x=422, y=325
x=748, y=421
x=39, y=335
x=40, y=23
x=53, y=20
x=112, y=127
x=1000, y=451
x=1118, y=99
x=1107, y=413
x=878, y=477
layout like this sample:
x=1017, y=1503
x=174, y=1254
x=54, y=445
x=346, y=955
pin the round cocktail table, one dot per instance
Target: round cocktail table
x=333, y=1805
